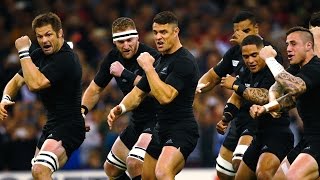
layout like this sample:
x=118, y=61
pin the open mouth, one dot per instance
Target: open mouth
x=160, y=44
x=252, y=67
x=290, y=56
x=126, y=52
x=47, y=47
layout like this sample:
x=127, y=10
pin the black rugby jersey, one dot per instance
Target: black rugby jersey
x=179, y=70
x=263, y=79
x=232, y=61
x=103, y=77
x=62, y=99
x=307, y=102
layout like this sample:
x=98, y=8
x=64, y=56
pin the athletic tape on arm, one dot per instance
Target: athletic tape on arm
x=275, y=67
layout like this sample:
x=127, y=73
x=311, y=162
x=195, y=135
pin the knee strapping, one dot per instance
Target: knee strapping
x=224, y=167
x=114, y=160
x=239, y=152
x=137, y=153
x=48, y=159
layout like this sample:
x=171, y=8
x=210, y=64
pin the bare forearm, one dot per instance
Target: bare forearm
x=235, y=99
x=137, y=80
x=34, y=79
x=163, y=92
x=13, y=86
x=133, y=99
x=287, y=102
x=283, y=103
x=256, y=95
x=91, y=95
x=275, y=91
x=210, y=77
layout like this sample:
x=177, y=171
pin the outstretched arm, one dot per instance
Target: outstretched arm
x=91, y=96
x=208, y=81
x=9, y=92
x=230, y=111
x=128, y=103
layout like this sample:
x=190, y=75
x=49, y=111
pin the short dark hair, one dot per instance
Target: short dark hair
x=122, y=24
x=315, y=19
x=252, y=40
x=307, y=35
x=244, y=15
x=46, y=19
x=166, y=17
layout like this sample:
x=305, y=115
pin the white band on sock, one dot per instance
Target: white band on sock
x=224, y=167
x=239, y=151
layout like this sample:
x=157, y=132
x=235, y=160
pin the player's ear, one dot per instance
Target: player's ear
x=309, y=45
x=256, y=29
x=60, y=33
x=176, y=30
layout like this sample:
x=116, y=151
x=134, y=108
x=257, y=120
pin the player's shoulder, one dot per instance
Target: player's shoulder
x=234, y=51
x=315, y=61
x=184, y=53
x=145, y=48
x=268, y=43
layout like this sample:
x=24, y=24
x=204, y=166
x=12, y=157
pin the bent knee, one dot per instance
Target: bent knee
x=292, y=175
x=133, y=163
x=111, y=170
x=162, y=173
x=236, y=164
x=261, y=175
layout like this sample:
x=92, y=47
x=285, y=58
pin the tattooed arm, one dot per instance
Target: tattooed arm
x=275, y=91
x=285, y=103
x=291, y=84
x=256, y=95
x=279, y=99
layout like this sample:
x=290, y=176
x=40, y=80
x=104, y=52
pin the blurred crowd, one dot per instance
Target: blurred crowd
x=206, y=27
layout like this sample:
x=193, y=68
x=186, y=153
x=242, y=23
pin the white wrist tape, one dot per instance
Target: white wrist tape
x=275, y=67
x=123, y=108
x=6, y=97
x=272, y=106
x=24, y=53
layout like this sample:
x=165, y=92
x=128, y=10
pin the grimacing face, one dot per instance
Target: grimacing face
x=250, y=55
x=296, y=48
x=127, y=47
x=48, y=39
x=165, y=36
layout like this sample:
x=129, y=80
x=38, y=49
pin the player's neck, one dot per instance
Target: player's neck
x=175, y=47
